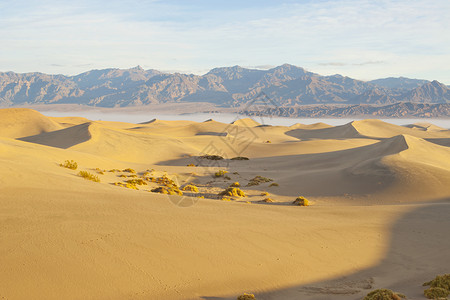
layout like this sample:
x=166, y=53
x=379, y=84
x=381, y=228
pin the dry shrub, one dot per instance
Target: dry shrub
x=220, y=173
x=235, y=184
x=89, y=176
x=384, y=294
x=191, y=188
x=212, y=157
x=233, y=191
x=274, y=184
x=439, y=287
x=264, y=194
x=191, y=165
x=138, y=181
x=240, y=158
x=246, y=296
x=69, y=164
x=257, y=180
x=301, y=201
x=167, y=190
x=129, y=170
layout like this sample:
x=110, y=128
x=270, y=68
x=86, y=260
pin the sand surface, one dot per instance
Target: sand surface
x=379, y=213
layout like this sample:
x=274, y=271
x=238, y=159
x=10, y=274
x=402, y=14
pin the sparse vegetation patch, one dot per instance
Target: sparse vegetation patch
x=212, y=157
x=191, y=188
x=240, y=158
x=439, y=287
x=69, y=164
x=384, y=294
x=89, y=176
x=257, y=180
x=246, y=296
x=301, y=201
x=233, y=191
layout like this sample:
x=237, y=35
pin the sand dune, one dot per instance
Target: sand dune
x=21, y=122
x=379, y=216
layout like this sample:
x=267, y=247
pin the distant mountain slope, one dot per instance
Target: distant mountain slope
x=285, y=85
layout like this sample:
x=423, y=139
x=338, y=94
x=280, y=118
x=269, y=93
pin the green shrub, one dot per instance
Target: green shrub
x=89, y=176
x=442, y=281
x=69, y=164
x=383, y=294
x=439, y=287
x=233, y=191
x=191, y=188
x=258, y=180
x=220, y=173
x=240, y=158
x=436, y=293
x=301, y=201
x=246, y=296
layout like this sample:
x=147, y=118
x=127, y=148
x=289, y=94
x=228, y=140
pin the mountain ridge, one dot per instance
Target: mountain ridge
x=286, y=85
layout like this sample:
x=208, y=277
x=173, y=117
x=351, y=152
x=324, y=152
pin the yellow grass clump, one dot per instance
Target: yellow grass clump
x=233, y=191
x=69, y=164
x=191, y=165
x=264, y=194
x=235, y=184
x=89, y=176
x=129, y=170
x=301, y=201
x=384, y=294
x=268, y=200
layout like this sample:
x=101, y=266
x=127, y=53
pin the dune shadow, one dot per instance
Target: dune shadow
x=418, y=251
x=64, y=138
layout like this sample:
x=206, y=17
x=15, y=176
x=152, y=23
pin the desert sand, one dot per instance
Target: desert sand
x=379, y=213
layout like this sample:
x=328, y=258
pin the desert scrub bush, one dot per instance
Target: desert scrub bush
x=264, y=194
x=123, y=176
x=220, y=173
x=301, y=201
x=235, y=184
x=268, y=200
x=89, y=176
x=69, y=164
x=191, y=165
x=133, y=176
x=167, y=190
x=257, y=180
x=233, y=191
x=240, y=158
x=114, y=170
x=212, y=157
x=147, y=173
x=138, y=181
x=436, y=293
x=246, y=296
x=384, y=294
x=191, y=188
x=442, y=281
x=439, y=287
x=274, y=184
x=129, y=170
x=100, y=171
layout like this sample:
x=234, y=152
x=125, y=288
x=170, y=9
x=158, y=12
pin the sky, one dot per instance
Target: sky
x=361, y=39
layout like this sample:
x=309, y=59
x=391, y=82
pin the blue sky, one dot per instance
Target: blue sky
x=361, y=39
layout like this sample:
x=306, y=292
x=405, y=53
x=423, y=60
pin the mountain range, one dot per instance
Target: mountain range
x=285, y=85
